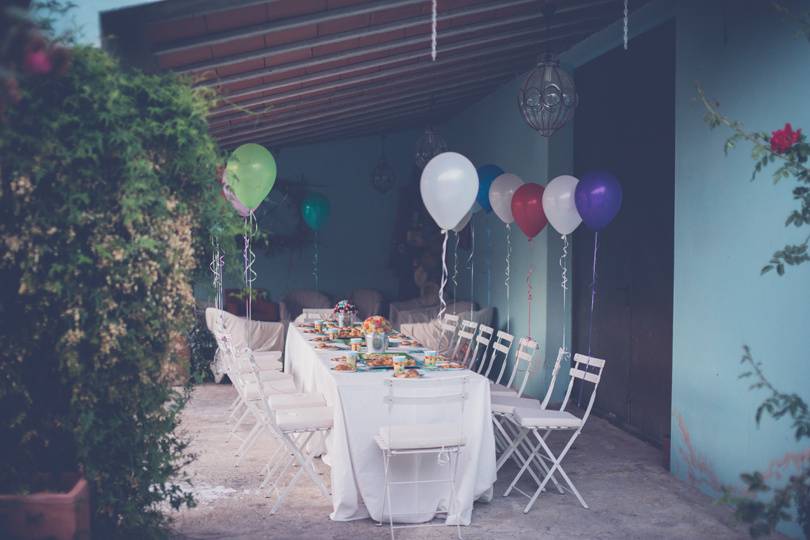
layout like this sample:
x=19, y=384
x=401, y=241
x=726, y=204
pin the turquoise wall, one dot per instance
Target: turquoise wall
x=355, y=245
x=493, y=131
x=752, y=61
x=726, y=228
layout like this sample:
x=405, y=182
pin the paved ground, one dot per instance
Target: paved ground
x=631, y=496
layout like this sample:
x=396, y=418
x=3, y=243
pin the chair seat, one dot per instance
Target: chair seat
x=304, y=419
x=508, y=404
x=268, y=360
x=533, y=418
x=295, y=401
x=501, y=390
x=273, y=375
x=419, y=436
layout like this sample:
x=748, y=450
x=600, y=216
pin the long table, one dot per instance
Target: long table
x=355, y=460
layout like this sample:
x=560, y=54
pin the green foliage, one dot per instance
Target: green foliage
x=202, y=346
x=108, y=199
x=790, y=164
x=762, y=507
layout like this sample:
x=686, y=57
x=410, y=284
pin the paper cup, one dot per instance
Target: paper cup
x=356, y=344
x=399, y=364
x=430, y=358
x=351, y=359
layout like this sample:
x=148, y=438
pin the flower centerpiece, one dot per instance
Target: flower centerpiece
x=376, y=329
x=344, y=312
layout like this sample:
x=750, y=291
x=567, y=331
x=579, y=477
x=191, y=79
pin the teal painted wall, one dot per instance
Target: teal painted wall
x=356, y=243
x=726, y=227
x=493, y=131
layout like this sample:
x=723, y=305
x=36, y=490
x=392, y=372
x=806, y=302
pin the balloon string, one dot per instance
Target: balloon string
x=507, y=272
x=471, y=266
x=529, y=287
x=489, y=264
x=444, y=277
x=217, y=262
x=249, y=259
x=434, y=33
x=590, y=316
x=564, y=283
x=455, y=268
x=315, y=261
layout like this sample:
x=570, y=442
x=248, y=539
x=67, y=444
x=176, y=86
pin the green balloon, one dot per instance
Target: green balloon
x=315, y=210
x=251, y=174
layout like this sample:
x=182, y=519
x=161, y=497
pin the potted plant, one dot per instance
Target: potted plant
x=107, y=200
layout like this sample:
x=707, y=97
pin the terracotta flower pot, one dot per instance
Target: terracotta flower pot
x=52, y=515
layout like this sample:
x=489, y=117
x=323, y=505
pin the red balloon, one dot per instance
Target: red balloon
x=527, y=208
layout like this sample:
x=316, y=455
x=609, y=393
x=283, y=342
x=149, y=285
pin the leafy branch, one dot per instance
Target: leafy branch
x=791, y=162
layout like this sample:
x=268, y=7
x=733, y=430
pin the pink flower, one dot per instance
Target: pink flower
x=37, y=62
x=783, y=139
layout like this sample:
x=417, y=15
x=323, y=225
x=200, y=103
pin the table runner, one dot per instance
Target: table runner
x=355, y=460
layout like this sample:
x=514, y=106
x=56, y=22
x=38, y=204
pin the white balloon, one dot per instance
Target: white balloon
x=559, y=205
x=464, y=221
x=449, y=185
x=500, y=195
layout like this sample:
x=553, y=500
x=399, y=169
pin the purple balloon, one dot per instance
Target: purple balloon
x=598, y=197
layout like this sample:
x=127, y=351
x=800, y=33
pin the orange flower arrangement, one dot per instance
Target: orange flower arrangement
x=376, y=324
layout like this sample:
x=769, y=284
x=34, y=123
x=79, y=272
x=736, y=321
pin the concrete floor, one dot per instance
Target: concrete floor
x=629, y=493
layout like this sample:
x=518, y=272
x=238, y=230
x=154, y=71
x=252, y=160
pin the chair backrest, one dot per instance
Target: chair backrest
x=447, y=331
x=466, y=333
x=482, y=342
x=412, y=401
x=314, y=314
x=587, y=370
x=502, y=345
x=561, y=355
x=524, y=361
x=368, y=302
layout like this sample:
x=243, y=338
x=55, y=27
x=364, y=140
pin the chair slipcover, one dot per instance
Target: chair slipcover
x=368, y=302
x=266, y=339
x=294, y=302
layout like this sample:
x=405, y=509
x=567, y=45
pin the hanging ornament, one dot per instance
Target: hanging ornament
x=434, y=33
x=548, y=97
x=626, y=22
x=431, y=144
x=382, y=176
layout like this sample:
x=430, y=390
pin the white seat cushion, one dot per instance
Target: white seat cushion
x=508, y=404
x=294, y=401
x=304, y=418
x=268, y=360
x=533, y=418
x=419, y=436
x=501, y=390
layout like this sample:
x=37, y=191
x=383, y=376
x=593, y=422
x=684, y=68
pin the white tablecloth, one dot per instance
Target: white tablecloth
x=356, y=461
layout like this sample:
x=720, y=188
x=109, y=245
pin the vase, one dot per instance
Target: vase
x=341, y=319
x=376, y=342
x=61, y=515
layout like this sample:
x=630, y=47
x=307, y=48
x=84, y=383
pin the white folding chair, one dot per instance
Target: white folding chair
x=447, y=332
x=466, y=333
x=524, y=362
x=403, y=437
x=502, y=345
x=483, y=339
x=534, y=421
x=294, y=421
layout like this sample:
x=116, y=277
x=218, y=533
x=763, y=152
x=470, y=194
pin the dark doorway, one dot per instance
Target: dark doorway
x=625, y=123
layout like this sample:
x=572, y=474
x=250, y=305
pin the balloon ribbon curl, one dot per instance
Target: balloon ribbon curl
x=471, y=266
x=507, y=272
x=443, y=304
x=315, y=261
x=564, y=283
x=590, y=315
x=251, y=228
x=529, y=294
x=455, y=268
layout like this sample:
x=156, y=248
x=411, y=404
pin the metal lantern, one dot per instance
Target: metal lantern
x=428, y=146
x=382, y=176
x=548, y=97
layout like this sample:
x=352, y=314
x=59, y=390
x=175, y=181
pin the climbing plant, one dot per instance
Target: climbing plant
x=763, y=505
x=108, y=200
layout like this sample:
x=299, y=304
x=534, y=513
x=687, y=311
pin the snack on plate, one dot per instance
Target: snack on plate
x=450, y=365
x=327, y=347
x=310, y=331
x=349, y=333
x=408, y=374
x=379, y=360
x=344, y=367
x=320, y=339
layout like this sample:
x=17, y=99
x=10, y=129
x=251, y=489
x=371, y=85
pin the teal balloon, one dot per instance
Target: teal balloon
x=251, y=174
x=315, y=210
